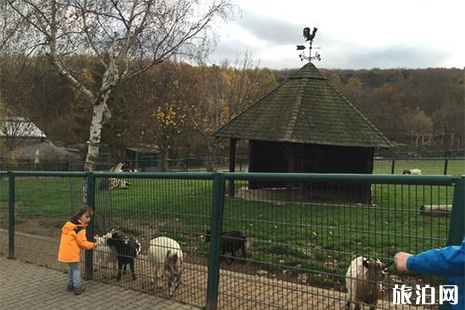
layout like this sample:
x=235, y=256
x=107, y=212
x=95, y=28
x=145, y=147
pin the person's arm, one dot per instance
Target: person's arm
x=445, y=262
x=82, y=240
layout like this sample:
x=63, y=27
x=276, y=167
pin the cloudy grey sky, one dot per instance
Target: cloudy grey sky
x=356, y=34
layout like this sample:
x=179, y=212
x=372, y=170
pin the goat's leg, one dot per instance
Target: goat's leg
x=160, y=271
x=120, y=269
x=131, y=265
x=153, y=278
x=244, y=255
x=229, y=260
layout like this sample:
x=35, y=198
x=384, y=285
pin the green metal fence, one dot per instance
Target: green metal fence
x=301, y=236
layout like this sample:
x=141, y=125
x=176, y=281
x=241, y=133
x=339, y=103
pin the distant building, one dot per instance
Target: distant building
x=142, y=158
x=46, y=151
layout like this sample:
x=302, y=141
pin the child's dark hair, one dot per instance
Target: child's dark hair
x=83, y=210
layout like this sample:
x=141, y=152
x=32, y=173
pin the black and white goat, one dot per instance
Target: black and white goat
x=126, y=252
x=363, y=282
x=165, y=256
x=231, y=242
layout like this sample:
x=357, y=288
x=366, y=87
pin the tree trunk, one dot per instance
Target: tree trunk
x=95, y=134
x=163, y=164
x=210, y=156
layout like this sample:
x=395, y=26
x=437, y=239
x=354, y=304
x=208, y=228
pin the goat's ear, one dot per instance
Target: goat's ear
x=386, y=266
x=168, y=255
x=366, y=263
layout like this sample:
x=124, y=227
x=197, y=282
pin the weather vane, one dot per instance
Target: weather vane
x=309, y=36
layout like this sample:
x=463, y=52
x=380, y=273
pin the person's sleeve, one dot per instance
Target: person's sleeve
x=82, y=240
x=445, y=262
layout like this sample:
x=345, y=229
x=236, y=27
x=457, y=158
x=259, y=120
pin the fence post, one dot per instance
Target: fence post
x=11, y=215
x=457, y=217
x=393, y=165
x=446, y=162
x=90, y=197
x=215, y=234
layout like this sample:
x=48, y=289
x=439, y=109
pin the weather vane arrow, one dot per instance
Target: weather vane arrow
x=309, y=35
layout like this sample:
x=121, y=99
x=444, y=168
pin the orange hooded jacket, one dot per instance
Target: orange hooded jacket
x=73, y=240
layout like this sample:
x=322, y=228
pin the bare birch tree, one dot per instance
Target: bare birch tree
x=127, y=36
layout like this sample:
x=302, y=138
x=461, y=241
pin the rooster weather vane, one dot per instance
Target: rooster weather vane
x=309, y=36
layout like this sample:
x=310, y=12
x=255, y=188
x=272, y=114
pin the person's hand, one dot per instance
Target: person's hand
x=400, y=259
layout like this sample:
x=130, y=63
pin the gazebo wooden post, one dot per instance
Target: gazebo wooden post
x=232, y=164
x=290, y=158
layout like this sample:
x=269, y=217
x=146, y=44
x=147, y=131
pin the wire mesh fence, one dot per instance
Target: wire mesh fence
x=287, y=241
x=381, y=165
x=301, y=244
x=152, y=207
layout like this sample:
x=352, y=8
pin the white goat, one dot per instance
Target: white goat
x=363, y=282
x=412, y=171
x=105, y=255
x=165, y=255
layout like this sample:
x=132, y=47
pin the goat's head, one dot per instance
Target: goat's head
x=376, y=269
x=207, y=236
x=100, y=240
x=108, y=235
x=115, y=238
x=173, y=270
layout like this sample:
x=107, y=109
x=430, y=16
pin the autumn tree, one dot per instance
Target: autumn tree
x=225, y=92
x=127, y=38
x=169, y=115
x=336, y=81
x=19, y=96
x=420, y=126
x=389, y=111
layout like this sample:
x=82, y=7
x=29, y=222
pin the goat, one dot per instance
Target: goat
x=126, y=252
x=412, y=171
x=112, y=183
x=363, y=282
x=231, y=242
x=165, y=254
x=105, y=255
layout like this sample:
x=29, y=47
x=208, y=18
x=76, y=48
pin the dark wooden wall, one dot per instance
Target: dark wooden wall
x=266, y=156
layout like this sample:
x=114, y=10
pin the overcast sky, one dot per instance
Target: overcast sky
x=355, y=34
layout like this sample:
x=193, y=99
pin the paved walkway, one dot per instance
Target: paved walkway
x=31, y=287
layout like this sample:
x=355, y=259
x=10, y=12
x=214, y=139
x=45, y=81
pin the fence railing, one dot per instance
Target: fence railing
x=302, y=230
x=429, y=165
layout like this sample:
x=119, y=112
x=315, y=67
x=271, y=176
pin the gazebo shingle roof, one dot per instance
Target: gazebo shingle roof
x=305, y=109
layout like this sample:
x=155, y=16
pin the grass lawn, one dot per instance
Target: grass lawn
x=455, y=167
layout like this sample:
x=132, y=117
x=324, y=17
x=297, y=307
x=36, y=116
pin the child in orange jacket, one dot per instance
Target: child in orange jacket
x=73, y=240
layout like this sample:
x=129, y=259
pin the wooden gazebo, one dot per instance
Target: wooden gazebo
x=306, y=125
